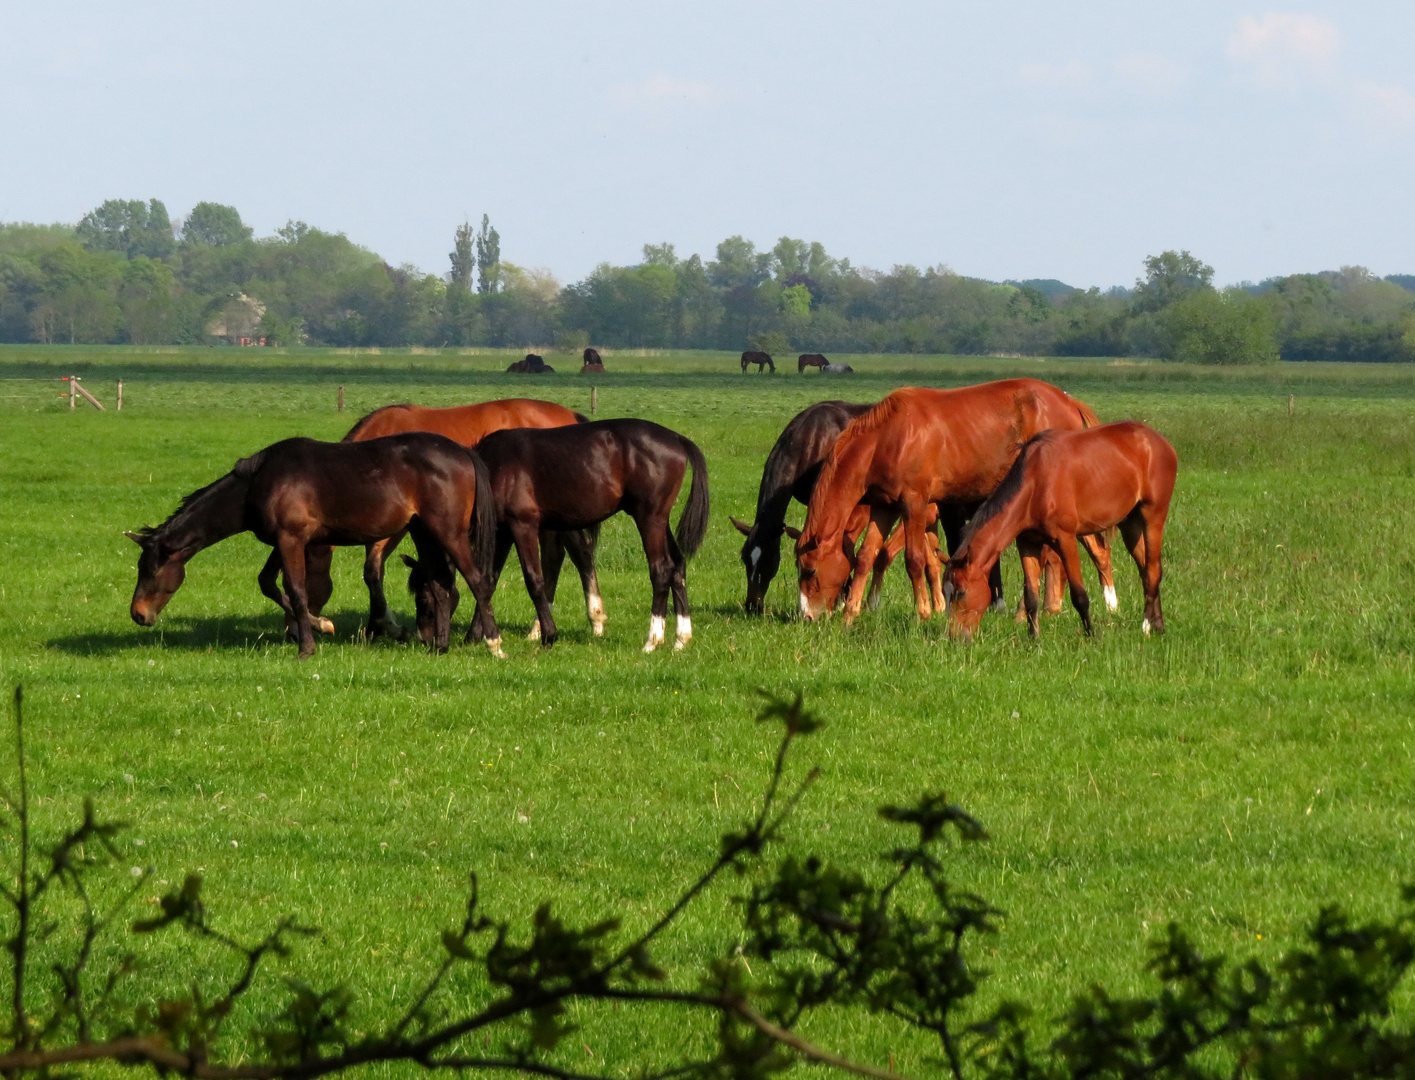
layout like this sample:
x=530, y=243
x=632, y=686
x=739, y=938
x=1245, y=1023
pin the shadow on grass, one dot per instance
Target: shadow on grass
x=202, y=634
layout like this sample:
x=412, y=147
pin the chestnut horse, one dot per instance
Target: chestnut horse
x=468, y=425
x=301, y=492
x=915, y=448
x=1064, y=484
x=576, y=477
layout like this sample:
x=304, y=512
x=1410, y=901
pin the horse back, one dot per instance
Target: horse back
x=465, y=424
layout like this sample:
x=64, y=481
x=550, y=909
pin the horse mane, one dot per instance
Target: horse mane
x=1006, y=491
x=363, y=421
x=242, y=470
x=865, y=424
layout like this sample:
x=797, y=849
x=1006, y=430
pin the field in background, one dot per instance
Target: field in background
x=1251, y=765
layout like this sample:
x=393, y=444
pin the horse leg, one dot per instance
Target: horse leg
x=653, y=531
x=292, y=556
x=318, y=583
x=1071, y=560
x=916, y=560
x=452, y=535
x=380, y=621
x=678, y=585
x=1144, y=533
x=875, y=526
x=580, y=546
x=1098, y=547
x=1031, y=554
x=268, y=580
x=1054, y=572
x=432, y=560
x=477, y=631
x=527, y=539
x=552, y=558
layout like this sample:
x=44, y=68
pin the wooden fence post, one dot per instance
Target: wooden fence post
x=120, y=395
x=1291, y=403
x=72, y=384
x=341, y=399
x=594, y=400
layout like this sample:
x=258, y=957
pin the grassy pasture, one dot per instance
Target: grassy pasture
x=1254, y=763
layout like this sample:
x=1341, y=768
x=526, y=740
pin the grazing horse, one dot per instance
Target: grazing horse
x=593, y=364
x=468, y=425
x=574, y=478
x=1064, y=484
x=810, y=359
x=531, y=365
x=837, y=369
x=300, y=492
x=761, y=359
x=915, y=448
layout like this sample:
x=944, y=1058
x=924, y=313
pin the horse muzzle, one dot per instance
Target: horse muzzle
x=143, y=617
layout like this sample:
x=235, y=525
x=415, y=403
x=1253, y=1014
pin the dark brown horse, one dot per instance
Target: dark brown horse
x=761, y=359
x=301, y=492
x=593, y=364
x=810, y=359
x=574, y=478
x=1065, y=484
x=531, y=365
x=916, y=448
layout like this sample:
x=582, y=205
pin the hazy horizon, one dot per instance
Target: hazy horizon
x=1031, y=142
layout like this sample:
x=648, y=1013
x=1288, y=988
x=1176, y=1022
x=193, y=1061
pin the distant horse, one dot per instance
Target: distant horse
x=761, y=359
x=837, y=369
x=576, y=477
x=531, y=365
x=915, y=448
x=593, y=364
x=810, y=359
x=1066, y=483
x=300, y=492
x=468, y=425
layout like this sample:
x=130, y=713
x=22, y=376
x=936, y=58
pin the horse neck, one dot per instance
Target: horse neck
x=985, y=546
x=214, y=515
x=837, y=496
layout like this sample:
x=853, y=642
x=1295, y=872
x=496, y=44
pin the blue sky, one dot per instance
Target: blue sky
x=1025, y=139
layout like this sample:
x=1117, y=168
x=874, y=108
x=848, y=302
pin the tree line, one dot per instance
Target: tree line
x=126, y=274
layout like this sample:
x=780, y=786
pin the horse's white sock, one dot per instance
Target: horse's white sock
x=685, y=631
x=1111, y=602
x=655, y=633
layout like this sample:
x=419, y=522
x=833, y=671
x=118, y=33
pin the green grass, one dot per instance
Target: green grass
x=1233, y=775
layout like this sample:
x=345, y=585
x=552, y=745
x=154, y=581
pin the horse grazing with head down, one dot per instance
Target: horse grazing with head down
x=917, y=450
x=810, y=359
x=574, y=478
x=531, y=365
x=301, y=492
x=1064, y=484
x=761, y=359
x=468, y=425
x=593, y=364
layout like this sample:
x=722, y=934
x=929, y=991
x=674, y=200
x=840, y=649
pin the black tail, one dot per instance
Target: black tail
x=483, y=531
x=581, y=418
x=692, y=526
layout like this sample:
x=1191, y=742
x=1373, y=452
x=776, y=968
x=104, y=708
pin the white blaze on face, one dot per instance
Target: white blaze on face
x=805, y=606
x=655, y=633
x=685, y=632
x=754, y=556
x=1111, y=603
x=1145, y=626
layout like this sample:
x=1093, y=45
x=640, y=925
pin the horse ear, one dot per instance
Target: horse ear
x=741, y=527
x=135, y=538
x=795, y=534
x=408, y=560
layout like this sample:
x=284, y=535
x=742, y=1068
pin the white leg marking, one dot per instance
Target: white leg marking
x=494, y=645
x=594, y=607
x=685, y=631
x=534, y=635
x=1111, y=603
x=321, y=623
x=655, y=633
x=1145, y=626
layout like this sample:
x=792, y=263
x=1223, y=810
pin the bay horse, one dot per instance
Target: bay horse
x=300, y=492
x=761, y=359
x=468, y=425
x=1064, y=484
x=915, y=448
x=531, y=365
x=810, y=359
x=593, y=364
x=566, y=478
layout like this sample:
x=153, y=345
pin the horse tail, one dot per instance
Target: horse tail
x=1088, y=418
x=692, y=526
x=581, y=418
x=483, y=531
x=249, y=466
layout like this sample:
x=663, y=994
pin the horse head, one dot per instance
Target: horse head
x=162, y=568
x=436, y=597
x=967, y=594
x=822, y=573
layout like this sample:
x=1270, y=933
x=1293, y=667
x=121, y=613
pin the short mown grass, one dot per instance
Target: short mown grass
x=1249, y=766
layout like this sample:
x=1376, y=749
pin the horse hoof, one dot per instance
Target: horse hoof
x=599, y=628
x=998, y=605
x=304, y=653
x=494, y=647
x=323, y=625
x=1145, y=627
x=534, y=635
x=1112, y=603
x=685, y=632
x=655, y=633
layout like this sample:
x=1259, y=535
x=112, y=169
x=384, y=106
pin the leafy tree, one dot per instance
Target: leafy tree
x=135, y=228
x=660, y=255
x=738, y=265
x=463, y=261
x=1232, y=327
x=795, y=301
x=488, y=258
x=1169, y=277
x=214, y=225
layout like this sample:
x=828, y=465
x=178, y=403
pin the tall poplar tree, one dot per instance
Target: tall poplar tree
x=488, y=258
x=462, y=260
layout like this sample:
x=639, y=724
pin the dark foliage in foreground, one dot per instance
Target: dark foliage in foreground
x=899, y=943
